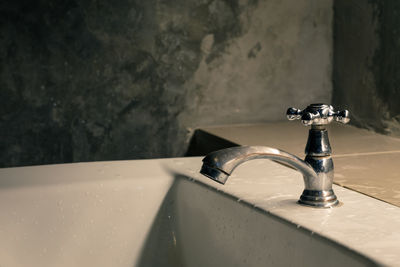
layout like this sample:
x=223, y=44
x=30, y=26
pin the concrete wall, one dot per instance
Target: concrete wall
x=100, y=80
x=367, y=62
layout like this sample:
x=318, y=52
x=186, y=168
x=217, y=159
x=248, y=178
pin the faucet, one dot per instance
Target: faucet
x=317, y=167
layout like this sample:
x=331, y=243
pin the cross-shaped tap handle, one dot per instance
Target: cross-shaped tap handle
x=318, y=114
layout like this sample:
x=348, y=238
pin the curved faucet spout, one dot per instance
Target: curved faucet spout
x=220, y=164
x=318, y=191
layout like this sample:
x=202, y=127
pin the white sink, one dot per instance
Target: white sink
x=197, y=226
x=162, y=213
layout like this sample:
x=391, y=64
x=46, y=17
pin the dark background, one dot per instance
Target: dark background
x=106, y=80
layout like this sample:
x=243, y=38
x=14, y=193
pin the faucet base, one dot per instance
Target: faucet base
x=318, y=199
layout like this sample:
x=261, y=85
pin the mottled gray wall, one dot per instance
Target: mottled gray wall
x=281, y=58
x=367, y=62
x=99, y=80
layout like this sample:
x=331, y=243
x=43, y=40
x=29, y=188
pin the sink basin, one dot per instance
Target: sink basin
x=155, y=213
x=198, y=226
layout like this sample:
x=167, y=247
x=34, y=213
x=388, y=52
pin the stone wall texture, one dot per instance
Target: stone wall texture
x=106, y=80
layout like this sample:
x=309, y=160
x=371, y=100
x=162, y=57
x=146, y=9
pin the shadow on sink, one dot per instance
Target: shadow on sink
x=199, y=226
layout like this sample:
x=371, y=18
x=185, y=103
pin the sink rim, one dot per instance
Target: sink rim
x=269, y=187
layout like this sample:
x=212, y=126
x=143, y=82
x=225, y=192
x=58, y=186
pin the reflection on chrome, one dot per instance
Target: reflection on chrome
x=316, y=168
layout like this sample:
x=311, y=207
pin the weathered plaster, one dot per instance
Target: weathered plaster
x=366, y=62
x=283, y=58
x=100, y=80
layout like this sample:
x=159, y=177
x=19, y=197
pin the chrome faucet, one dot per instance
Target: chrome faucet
x=316, y=168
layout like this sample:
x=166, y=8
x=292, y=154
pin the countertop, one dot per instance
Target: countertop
x=365, y=161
